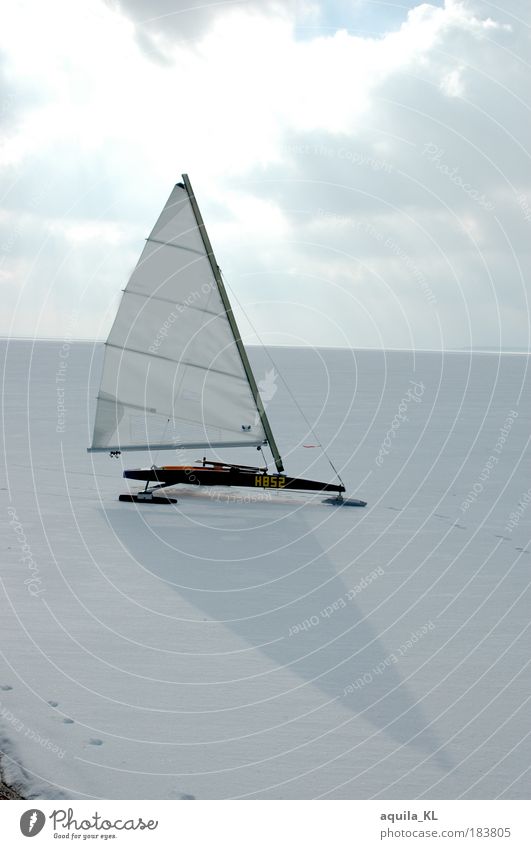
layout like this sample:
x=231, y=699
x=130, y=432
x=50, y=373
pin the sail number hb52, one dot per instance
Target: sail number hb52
x=270, y=481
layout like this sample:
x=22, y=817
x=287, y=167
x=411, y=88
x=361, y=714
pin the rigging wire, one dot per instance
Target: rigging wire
x=163, y=437
x=284, y=381
x=263, y=457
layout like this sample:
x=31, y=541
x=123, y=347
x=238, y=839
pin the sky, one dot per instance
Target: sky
x=362, y=166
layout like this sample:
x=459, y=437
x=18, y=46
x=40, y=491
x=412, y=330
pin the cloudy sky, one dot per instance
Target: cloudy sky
x=362, y=166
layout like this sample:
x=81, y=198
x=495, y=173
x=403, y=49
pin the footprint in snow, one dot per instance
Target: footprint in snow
x=176, y=793
x=94, y=741
x=5, y=687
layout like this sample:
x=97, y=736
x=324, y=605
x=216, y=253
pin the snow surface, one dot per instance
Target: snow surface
x=156, y=651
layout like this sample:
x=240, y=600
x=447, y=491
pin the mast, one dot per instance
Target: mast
x=234, y=327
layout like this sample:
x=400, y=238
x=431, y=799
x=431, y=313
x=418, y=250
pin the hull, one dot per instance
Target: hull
x=219, y=474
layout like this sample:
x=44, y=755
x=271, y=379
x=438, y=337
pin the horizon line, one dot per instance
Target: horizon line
x=465, y=350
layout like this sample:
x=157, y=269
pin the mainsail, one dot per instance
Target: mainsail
x=175, y=372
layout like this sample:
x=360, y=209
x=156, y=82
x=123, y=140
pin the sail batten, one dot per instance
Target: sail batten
x=133, y=406
x=173, y=374
x=169, y=301
x=171, y=360
x=173, y=245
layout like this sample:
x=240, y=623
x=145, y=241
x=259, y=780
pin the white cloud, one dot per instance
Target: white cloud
x=452, y=83
x=273, y=129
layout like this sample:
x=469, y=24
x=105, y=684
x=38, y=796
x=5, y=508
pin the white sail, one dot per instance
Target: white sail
x=175, y=374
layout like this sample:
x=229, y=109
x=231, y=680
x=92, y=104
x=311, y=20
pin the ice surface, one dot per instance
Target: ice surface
x=161, y=651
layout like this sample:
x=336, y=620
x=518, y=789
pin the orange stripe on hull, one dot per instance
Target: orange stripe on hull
x=193, y=469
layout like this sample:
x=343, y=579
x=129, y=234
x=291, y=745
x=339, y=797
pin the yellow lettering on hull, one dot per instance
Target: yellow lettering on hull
x=270, y=481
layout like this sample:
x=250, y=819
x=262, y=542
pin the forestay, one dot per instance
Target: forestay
x=173, y=374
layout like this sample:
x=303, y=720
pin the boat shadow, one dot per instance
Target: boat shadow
x=269, y=586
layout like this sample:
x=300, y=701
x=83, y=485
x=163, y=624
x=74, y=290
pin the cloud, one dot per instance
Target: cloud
x=376, y=181
x=162, y=23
